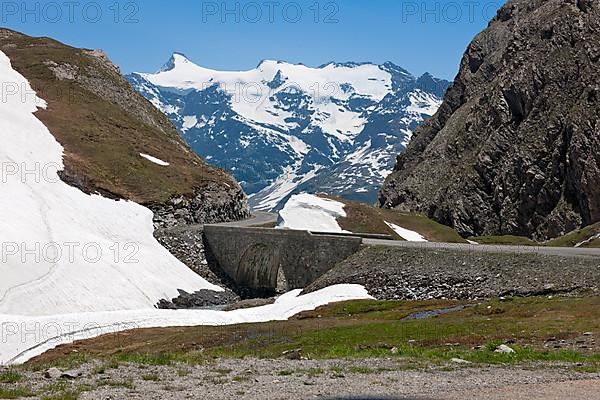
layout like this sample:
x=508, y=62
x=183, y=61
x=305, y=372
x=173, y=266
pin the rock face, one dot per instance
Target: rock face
x=213, y=204
x=104, y=126
x=515, y=146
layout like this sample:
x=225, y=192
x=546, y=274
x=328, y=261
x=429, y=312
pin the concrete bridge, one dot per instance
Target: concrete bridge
x=264, y=261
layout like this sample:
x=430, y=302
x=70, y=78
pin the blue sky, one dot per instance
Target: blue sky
x=420, y=36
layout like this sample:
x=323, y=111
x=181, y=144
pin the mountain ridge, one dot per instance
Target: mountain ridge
x=281, y=128
x=110, y=127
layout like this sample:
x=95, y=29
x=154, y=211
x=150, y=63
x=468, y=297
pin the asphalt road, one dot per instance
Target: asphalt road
x=481, y=248
x=258, y=218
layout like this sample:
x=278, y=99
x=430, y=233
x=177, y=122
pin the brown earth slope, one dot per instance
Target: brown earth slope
x=104, y=125
x=515, y=147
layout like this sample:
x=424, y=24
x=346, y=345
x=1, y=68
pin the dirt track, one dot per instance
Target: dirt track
x=331, y=379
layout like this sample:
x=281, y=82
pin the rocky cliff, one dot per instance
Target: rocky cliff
x=106, y=127
x=515, y=146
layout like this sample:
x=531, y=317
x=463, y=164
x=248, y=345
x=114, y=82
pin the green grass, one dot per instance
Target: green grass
x=379, y=310
x=594, y=244
x=56, y=386
x=67, y=362
x=125, y=384
x=10, y=376
x=223, y=371
x=576, y=237
x=63, y=390
x=569, y=240
x=362, y=370
x=314, y=372
x=162, y=358
x=242, y=378
x=66, y=395
x=148, y=359
x=524, y=320
x=365, y=329
x=15, y=392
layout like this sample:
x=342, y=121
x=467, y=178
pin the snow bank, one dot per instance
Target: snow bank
x=311, y=213
x=27, y=337
x=155, y=160
x=63, y=251
x=408, y=235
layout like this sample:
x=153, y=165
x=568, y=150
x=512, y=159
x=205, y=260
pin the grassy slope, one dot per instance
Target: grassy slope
x=578, y=236
x=362, y=218
x=103, y=139
x=366, y=329
x=569, y=240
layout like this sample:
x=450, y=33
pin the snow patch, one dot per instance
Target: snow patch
x=155, y=160
x=21, y=342
x=587, y=241
x=408, y=235
x=189, y=121
x=423, y=103
x=311, y=213
x=288, y=181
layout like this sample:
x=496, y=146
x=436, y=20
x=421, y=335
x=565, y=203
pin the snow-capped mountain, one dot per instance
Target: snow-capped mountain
x=282, y=128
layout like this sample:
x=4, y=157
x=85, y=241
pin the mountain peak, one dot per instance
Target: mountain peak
x=266, y=62
x=347, y=64
x=176, y=59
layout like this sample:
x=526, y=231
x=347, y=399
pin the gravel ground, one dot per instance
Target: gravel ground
x=305, y=379
x=413, y=274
